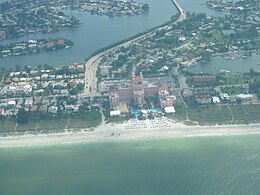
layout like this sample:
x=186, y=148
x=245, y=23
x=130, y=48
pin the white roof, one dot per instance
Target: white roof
x=164, y=68
x=28, y=86
x=11, y=102
x=12, y=87
x=244, y=96
x=144, y=111
x=170, y=109
x=115, y=113
x=215, y=99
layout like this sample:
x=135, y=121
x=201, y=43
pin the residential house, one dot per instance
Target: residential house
x=203, y=98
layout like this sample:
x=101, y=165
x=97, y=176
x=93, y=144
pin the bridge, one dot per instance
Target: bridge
x=179, y=8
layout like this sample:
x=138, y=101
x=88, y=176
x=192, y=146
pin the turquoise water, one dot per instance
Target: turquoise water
x=207, y=165
x=154, y=110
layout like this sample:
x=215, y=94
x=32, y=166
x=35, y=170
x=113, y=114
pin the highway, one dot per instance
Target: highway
x=91, y=66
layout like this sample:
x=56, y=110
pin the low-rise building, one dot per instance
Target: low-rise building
x=11, y=104
x=215, y=100
x=53, y=110
x=204, y=79
x=28, y=103
x=43, y=109
x=115, y=113
x=104, y=86
x=33, y=111
x=169, y=110
x=245, y=98
x=203, y=98
x=224, y=97
x=2, y=112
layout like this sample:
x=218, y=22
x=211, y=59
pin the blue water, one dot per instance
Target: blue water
x=95, y=33
x=100, y=31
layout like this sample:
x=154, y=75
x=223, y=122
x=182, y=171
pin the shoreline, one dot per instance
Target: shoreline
x=118, y=132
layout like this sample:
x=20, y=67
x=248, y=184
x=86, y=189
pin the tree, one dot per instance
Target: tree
x=73, y=91
x=80, y=86
x=22, y=116
x=17, y=67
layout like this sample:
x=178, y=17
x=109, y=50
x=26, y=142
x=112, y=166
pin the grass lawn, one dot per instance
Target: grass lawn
x=253, y=113
x=91, y=119
x=233, y=90
x=180, y=112
x=235, y=80
x=217, y=35
x=7, y=126
x=257, y=78
x=211, y=114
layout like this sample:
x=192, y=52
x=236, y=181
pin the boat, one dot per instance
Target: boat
x=227, y=57
x=225, y=71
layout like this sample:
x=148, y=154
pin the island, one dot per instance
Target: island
x=34, y=46
x=18, y=18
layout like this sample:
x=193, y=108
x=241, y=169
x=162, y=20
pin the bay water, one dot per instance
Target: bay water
x=99, y=31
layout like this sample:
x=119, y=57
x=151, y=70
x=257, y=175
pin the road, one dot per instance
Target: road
x=92, y=64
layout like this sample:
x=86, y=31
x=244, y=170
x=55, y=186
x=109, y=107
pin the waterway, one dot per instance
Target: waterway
x=206, y=165
x=237, y=65
x=100, y=31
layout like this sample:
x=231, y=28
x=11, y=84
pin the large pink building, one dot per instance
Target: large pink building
x=137, y=91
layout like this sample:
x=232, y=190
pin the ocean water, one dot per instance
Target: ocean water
x=198, y=165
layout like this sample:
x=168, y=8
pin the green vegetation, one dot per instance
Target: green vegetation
x=213, y=114
x=51, y=125
x=180, y=112
x=22, y=116
x=233, y=90
x=235, y=80
x=206, y=115
x=254, y=86
x=217, y=35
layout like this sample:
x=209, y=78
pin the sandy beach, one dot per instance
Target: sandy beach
x=131, y=130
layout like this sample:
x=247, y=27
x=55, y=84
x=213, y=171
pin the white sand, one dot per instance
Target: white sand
x=120, y=132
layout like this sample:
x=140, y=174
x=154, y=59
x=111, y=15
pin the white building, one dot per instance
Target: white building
x=215, y=100
x=169, y=110
x=11, y=104
x=115, y=113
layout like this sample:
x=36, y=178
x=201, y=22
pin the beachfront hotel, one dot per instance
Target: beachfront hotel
x=138, y=90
